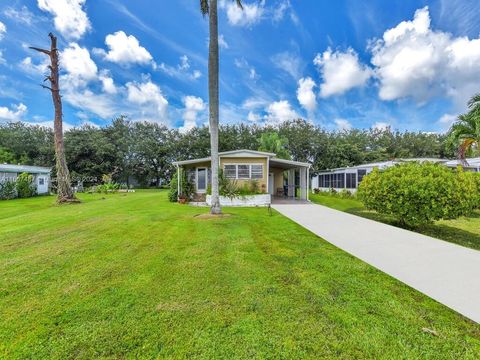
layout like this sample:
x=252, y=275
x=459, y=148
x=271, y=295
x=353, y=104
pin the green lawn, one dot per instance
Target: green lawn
x=133, y=276
x=464, y=231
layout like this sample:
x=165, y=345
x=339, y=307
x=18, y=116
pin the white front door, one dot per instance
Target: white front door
x=42, y=185
x=201, y=180
x=271, y=183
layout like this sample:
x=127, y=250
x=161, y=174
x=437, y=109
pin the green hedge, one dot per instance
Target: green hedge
x=418, y=194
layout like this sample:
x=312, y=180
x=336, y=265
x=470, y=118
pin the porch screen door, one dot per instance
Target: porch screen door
x=201, y=179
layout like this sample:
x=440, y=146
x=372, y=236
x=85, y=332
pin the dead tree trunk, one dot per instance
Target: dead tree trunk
x=64, y=188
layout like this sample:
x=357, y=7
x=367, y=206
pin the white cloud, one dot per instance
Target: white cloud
x=379, y=125
x=125, y=49
x=107, y=82
x=14, y=113
x=181, y=71
x=3, y=30
x=28, y=66
x=243, y=64
x=23, y=15
x=149, y=95
x=446, y=121
x=184, y=63
x=248, y=16
x=253, y=117
x=288, y=62
x=412, y=60
x=343, y=125
x=69, y=17
x=305, y=95
x=49, y=124
x=102, y=105
x=221, y=42
x=193, y=106
x=254, y=103
x=280, y=10
x=341, y=71
x=280, y=111
x=76, y=61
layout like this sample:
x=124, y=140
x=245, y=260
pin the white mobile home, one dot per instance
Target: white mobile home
x=472, y=164
x=41, y=175
x=349, y=177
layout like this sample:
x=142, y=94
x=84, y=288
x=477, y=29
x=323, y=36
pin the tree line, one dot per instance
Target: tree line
x=143, y=152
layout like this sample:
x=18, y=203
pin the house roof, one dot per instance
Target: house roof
x=245, y=153
x=470, y=163
x=386, y=164
x=24, y=168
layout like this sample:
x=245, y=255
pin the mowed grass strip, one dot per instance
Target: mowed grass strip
x=133, y=276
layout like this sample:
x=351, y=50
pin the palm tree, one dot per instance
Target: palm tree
x=209, y=7
x=466, y=130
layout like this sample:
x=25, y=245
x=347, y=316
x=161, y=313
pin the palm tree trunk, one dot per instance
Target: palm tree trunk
x=64, y=188
x=213, y=101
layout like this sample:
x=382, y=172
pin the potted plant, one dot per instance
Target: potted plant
x=182, y=199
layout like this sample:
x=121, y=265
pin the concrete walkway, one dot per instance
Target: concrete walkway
x=446, y=272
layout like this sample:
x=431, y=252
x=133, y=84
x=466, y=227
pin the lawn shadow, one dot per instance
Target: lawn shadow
x=439, y=231
x=453, y=235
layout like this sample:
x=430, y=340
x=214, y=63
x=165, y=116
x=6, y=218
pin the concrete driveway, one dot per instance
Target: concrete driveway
x=446, y=272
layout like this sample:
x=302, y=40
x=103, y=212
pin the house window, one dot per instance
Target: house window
x=243, y=171
x=230, y=171
x=361, y=174
x=351, y=181
x=257, y=171
x=41, y=181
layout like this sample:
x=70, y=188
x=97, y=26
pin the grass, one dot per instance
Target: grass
x=133, y=276
x=464, y=231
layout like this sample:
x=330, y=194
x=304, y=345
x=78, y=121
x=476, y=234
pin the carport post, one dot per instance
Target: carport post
x=178, y=182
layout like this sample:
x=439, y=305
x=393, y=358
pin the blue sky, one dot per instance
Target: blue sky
x=406, y=64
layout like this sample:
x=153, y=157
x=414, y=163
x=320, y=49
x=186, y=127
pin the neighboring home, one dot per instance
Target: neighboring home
x=276, y=177
x=41, y=175
x=472, y=164
x=349, y=177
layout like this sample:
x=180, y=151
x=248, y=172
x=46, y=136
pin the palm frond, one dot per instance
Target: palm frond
x=474, y=101
x=239, y=4
x=204, y=8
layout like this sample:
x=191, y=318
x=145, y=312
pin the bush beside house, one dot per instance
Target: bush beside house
x=418, y=194
x=22, y=187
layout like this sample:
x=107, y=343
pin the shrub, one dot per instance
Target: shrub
x=8, y=190
x=25, y=186
x=345, y=194
x=187, y=188
x=418, y=194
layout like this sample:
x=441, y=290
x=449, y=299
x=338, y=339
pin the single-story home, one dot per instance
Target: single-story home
x=471, y=164
x=277, y=178
x=41, y=175
x=350, y=177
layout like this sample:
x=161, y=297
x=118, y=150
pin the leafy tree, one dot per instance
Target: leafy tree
x=6, y=156
x=300, y=135
x=29, y=145
x=90, y=154
x=153, y=152
x=466, y=130
x=273, y=143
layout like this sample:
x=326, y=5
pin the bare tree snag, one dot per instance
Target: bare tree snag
x=64, y=188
